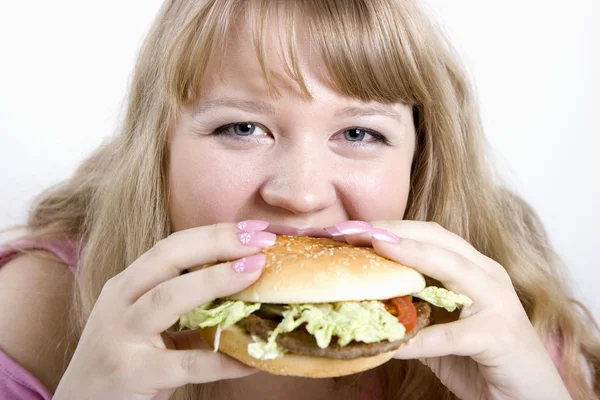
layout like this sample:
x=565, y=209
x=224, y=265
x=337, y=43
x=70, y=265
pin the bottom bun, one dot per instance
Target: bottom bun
x=234, y=342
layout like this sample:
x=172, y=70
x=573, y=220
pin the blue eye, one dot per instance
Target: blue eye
x=240, y=129
x=359, y=135
x=355, y=135
x=244, y=129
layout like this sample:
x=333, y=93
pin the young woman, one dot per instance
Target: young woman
x=307, y=115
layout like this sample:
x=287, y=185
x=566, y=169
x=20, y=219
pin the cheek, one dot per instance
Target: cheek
x=206, y=187
x=380, y=193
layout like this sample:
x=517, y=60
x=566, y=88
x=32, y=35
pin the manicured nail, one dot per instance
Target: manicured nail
x=385, y=236
x=249, y=264
x=251, y=225
x=353, y=227
x=332, y=230
x=257, y=239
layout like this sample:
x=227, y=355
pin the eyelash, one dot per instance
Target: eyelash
x=378, y=137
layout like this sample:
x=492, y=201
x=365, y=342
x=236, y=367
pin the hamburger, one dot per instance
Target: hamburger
x=321, y=308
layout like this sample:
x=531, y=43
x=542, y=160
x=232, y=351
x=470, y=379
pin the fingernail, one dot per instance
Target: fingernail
x=332, y=230
x=257, y=239
x=385, y=236
x=249, y=264
x=352, y=227
x=251, y=225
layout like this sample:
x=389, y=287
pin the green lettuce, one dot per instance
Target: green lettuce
x=224, y=314
x=365, y=321
x=441, y=297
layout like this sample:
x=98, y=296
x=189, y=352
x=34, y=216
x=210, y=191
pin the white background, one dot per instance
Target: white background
x=65, y=65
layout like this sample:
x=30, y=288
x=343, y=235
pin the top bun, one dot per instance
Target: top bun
x=302, y=269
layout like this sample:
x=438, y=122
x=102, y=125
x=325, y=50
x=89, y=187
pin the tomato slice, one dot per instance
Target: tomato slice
x=405, y=311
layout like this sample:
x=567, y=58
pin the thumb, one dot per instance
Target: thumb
x=454, y=338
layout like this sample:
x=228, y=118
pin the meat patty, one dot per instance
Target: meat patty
x=301, y=342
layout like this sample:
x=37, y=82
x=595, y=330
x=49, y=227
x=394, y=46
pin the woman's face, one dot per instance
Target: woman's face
x=240, y=154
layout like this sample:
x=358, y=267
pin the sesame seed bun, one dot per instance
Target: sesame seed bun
x=302, y=269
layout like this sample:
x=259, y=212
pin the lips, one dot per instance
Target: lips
x=291, y=231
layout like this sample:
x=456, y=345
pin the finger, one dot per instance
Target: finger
x=456, y=272
x=188, y=339
x=186, y=249
x=432, y=233
x=359, y=239
x=456, y=338
x=342, y=230
x=348, y=228
x=435, y=234
x=427, y=232
x=175, y=368
x=340, y=238
x=161, y=307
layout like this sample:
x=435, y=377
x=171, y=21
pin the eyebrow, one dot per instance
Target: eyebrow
x=260, y=107
x=367, y=111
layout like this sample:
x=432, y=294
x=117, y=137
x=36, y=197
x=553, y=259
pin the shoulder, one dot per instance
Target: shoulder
x=35, y=295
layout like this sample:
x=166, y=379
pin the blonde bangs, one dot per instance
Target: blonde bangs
x=365, y=46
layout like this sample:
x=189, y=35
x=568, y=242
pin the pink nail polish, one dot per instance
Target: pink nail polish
x=332, y=230
x=353, y=227
x=257, y=239
x=251, y=225
x=249, y=264
x=384, y=236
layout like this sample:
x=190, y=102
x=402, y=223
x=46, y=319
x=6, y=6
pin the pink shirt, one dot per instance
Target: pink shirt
x=16, y=383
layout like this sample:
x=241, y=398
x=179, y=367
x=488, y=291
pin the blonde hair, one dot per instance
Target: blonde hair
x=375, y=50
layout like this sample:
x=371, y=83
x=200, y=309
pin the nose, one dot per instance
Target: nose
x=301, y=182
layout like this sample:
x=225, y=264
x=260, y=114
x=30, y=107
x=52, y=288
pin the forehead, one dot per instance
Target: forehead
x=238, y=74
x=241, y=66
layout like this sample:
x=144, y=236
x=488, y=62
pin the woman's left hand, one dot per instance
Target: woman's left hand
x=492, y=351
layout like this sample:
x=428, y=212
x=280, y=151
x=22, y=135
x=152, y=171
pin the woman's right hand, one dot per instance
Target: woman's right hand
x=122, y=353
